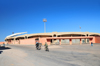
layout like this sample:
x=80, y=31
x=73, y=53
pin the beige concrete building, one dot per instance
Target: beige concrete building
x=59, y=38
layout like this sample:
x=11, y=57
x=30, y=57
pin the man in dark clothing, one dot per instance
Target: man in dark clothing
x=37, y=45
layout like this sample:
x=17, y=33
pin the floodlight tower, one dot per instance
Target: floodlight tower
x=44, y=20
x=80, y=29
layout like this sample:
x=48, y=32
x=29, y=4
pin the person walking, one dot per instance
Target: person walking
x=37, y=44
x=46, y=47
x=91, y=43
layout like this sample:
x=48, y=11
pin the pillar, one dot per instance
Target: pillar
x=52, y=40
x=14, y=40
x=80, y=41
x=60, y=41
x=19, y=41
x=70, y=41
x=86, y=40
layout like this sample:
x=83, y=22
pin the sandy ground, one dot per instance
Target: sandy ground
x=59, y=55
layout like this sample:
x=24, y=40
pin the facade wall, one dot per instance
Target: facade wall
x=91, y=40
x=9, y=41
x=22, y=41
x=48, y=40
x=42, y=40
x=14, y=42
x=6, y=42
x=78, y=40
x=1, y=42
x=97, y=39
x=27, y=41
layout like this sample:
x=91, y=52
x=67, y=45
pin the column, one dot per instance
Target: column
x=52, y=40
x=86, y=40
x=80, y=41
x=14, y=40
x=60, y=41
x=70, y=41
x=27, y=36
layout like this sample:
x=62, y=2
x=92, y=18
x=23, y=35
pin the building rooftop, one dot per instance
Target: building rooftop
x=55, y=33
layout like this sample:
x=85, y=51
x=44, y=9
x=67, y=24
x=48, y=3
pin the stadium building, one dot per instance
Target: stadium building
x=60, y=38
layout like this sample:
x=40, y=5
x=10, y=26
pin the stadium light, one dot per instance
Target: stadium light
x=44, y=20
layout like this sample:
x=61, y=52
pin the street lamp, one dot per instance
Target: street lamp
x=44, y=20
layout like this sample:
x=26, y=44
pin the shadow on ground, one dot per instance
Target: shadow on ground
x=1, y=52
x=4, y=48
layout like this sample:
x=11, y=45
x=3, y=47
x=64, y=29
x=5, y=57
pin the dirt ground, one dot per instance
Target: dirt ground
x=59, y=55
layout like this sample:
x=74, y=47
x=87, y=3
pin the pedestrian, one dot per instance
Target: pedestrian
x=46, y=47
x=37, y=45
x=91, y=44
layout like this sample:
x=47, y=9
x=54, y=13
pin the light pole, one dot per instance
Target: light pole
x=80, y=29
x=12, y=32
x=44, y=20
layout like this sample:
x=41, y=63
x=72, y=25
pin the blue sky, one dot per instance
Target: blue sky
x=62, y=16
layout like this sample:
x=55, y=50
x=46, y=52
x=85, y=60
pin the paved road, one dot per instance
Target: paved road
x=64, y=55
